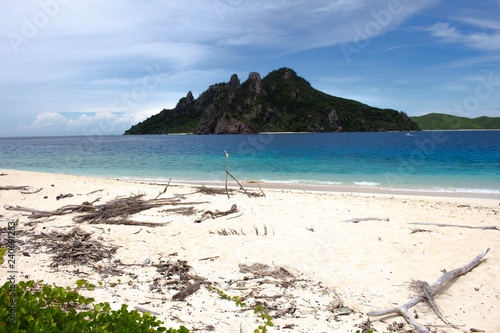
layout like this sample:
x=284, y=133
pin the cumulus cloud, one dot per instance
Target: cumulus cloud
x=48, y=119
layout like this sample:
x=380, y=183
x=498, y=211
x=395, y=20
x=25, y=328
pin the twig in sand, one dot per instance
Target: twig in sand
x=31, y=192
x=7, y=188
x=76, y=247
x=216, y=214
x=356, y=220
x=117, y=211
x=229, y=232
x=432, y=290
x=46, y=213
x=235, y=217
x=259, y=269
x=209, y=258
x=181, y=210
x=189, y=290
x=211, y=191
x=143, y=310
x=164, y=190
x=228, y=174
x=415, y=230
x=114, y=212
x=458, y=226
x=263, y=194
x=93, y=192
x=227, y=171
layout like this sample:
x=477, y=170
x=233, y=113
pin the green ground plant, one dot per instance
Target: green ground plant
x=2, y=252
x=257, y=309
x=31, y=306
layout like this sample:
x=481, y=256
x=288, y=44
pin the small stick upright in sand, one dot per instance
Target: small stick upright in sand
x=227, y=171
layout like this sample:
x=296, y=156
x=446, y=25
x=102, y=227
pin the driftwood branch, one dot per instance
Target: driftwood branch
x=93, y=192
x=263, y=194
x=216, y=214
x=189, y=290
x=164, y=190
x=457, y=226
x=429, y=297
x=228, y=174
x=432, y=290
x=209, y=258
x=114, y=212
x=46, y=213
x=7, y=188
x=239, y=184
x=227, y=171
x=361, y=219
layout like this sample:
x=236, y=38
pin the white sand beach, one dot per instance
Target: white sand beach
x=333, y=271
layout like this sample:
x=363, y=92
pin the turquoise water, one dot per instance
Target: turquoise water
x=455, y=161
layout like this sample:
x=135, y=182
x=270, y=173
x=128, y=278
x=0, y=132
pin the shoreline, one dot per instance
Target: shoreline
x=271, y=133
x=316, y=187
x=347, y=189
x=339, y=266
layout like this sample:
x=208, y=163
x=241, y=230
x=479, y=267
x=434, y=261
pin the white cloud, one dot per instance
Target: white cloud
x=444, y=31
x=484, y=41
x=92, y=53
x=48, y=119
x=99, y=123
x=482, y=23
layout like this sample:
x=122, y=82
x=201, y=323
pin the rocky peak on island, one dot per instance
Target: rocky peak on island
x=234, y=82
x=280, y=102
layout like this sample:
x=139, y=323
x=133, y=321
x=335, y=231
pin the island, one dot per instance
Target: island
x=441, y=121
x=280, y=102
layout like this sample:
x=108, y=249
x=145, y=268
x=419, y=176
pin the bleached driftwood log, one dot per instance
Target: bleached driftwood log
x=436, y=287
x=46, y=213
x=457, y=226
x=6, y=188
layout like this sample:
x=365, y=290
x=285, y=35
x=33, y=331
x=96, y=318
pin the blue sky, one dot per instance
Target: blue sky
x=94, y=67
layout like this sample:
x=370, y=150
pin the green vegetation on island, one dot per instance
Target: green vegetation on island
x=440, y=121
x=280, y=102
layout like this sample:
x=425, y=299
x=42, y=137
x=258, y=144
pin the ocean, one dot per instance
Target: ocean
x=430, y=161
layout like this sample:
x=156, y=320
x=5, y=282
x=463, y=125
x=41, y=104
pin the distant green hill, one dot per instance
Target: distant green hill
x=280, y=102
x=440, y=121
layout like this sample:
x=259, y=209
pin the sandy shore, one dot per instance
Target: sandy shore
x=332, y=272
